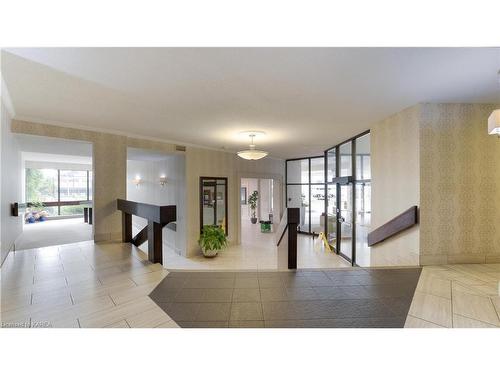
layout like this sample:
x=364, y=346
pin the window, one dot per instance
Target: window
x=54, y=187
x=297, y=171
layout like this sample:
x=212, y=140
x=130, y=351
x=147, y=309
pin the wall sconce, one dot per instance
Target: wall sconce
x=494, y=122
x=163, y=180
x=137, y=181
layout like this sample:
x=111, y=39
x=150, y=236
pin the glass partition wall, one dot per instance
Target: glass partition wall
x=333, y=193
x=305, y=189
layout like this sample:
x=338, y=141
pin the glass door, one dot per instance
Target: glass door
x=345, y=221
x=331, y=218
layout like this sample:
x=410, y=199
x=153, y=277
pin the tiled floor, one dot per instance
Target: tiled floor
x=89, y=285
x=81, y=285
x=313, y=298
x=459, y=296
x=257, y=251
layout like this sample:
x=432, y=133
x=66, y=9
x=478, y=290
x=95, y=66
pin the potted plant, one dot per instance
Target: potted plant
x=212, y=240
x=252, y=201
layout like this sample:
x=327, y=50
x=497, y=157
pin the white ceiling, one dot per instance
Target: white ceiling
x=305, y=99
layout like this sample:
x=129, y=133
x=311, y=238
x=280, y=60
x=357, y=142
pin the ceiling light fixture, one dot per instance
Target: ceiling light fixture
x=252, y=153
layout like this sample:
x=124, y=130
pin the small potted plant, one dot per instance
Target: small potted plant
x=212, y=240
x=252, y=201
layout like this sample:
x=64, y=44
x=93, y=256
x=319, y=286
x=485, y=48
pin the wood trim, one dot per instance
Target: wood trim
x=400, y=223
x=157, y=216
x=293, y=220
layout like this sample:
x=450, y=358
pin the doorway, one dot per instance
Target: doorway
x=260, y=210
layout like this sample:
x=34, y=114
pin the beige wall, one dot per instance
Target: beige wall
x=395, y=184
x=10, y=185
x=460, y=185
x=110, y=155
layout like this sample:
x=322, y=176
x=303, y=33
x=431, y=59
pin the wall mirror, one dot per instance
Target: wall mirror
x=213, y=202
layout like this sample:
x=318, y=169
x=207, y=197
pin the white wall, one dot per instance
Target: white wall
x=150, y=191
x=11, y=167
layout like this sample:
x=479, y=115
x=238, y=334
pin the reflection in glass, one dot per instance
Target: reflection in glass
x=332, y=216
x=73, y=185
x=317, y=208
x=331, y=161
x=297, y=171
x=317, y=170
x=363, y=171
x=363, y=222
x=346, y=220
x=298, y=196
x=345, y=152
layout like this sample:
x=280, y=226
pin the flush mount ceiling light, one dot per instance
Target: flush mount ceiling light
x=252, y=153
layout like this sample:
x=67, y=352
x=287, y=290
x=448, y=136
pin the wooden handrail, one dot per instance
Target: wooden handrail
x=289, y=223
x=157, y=216
x=400, y=223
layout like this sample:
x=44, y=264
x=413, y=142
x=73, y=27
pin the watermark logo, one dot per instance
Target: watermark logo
x=27, y=324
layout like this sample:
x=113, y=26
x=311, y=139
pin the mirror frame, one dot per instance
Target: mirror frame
x=202, y=178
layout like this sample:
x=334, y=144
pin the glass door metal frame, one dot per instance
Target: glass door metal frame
x=343, y=180
x=309, y=185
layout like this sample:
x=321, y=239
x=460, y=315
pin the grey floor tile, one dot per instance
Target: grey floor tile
x=273, y=294
x=218, y=295
x=181, y=311
x=297, y=282
x=246, y=311
x=210, y=282
x=246, y=324
x=210, y=312
x=246, y=295
x=164, y=295
x=190, y=295
x=203, y=324
x=270, y=282
x=279, y=310
x=301, y=294
x=248, y=282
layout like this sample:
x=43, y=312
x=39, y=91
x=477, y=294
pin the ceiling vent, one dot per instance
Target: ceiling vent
x=180, y=148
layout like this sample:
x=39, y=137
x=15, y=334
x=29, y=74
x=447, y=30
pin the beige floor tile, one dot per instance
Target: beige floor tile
x=150, y=277
x=15, y=302
x=114, y=314
x=475, y=307
x=148, y=319
x=120, y=324
x=435, y=286
x=413, y=322
x=75, y=311
x=431, y=308
x=460, y=321
x=124, y=295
